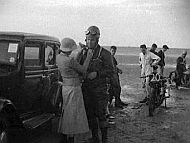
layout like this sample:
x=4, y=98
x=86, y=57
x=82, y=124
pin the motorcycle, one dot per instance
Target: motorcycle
x=159, y=91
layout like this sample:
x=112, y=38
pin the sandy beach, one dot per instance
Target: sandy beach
x=168, y=125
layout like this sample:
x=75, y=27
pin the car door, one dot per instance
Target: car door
x=33, y=71
x=50, y=75
x=51, y=69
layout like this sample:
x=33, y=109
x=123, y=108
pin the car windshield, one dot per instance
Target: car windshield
x=8, y=52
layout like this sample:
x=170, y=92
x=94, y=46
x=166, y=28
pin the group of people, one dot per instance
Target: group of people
x=149, y=59
x=181, y=75
x=90, y=79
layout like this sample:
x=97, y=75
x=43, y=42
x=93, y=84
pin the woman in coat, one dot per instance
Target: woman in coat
x=73, y=120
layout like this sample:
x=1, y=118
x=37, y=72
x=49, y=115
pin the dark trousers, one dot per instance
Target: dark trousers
x=96, y=100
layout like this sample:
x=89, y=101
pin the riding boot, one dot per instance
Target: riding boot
x=104, y=132
x=63, y=138
x=95, y=137
x=71, y=140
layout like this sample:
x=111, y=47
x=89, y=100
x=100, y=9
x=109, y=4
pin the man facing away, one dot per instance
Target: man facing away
x=161, y=63
x=147, y=59
x=115, y=89
x=95, y=85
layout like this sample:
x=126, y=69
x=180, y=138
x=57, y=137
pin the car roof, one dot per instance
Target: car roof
x=23, y=35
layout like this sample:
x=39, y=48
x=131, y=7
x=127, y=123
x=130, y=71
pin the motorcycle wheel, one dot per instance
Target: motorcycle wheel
x=151, y=103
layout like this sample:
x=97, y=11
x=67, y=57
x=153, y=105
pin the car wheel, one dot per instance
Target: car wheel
x=3, y=137
x=3, y=131
x=151, y=102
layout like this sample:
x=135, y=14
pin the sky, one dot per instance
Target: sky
x=121, y=22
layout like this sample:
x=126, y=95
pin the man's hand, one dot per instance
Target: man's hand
x=120, y=71
x=153, y=64
x=82, y=45
x=92, y=75
x=89, y=53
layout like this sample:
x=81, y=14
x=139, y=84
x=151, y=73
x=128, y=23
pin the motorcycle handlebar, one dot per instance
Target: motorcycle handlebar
x=163, y=78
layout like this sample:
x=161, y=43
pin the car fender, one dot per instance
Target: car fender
x=8, y=111
x=4, y=102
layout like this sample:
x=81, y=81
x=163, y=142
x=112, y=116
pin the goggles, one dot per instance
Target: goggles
x=94, y=33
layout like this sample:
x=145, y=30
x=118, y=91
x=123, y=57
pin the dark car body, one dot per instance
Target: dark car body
x=29, y=82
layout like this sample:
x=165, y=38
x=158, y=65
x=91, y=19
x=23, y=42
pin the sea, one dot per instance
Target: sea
x=130, y=56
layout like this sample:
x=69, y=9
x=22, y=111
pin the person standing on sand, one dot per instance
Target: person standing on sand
x=147, y=60
x=161, y=63
x=183, y=56
x=95, y=85
x=153, y=49
x=73, y=120
x=180, y=69
x=115, y=89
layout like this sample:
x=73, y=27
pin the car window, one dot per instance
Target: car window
x=8, y=51
x=49, y=54
x=32, y=54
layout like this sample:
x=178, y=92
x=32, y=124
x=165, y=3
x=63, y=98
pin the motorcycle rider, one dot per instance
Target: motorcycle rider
x=147, y=59
x=95, y=84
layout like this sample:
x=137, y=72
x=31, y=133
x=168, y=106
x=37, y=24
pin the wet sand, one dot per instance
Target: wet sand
x=168, y=125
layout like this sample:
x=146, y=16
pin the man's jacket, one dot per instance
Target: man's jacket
x=102, y=63
x=162, y=56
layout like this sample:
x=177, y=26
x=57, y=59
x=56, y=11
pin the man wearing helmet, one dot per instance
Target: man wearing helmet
x=95, y=84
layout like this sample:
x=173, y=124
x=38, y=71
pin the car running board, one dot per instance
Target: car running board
x=30, y=114
x=36, y=121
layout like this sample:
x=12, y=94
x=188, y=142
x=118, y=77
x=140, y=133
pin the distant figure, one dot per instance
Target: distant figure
x=161, y=63
x=115, y=89
x=184, y=54
x=73, y=120
x=180, y=69
x=187, y=76
x=182, y=64
x=153, y=49
x=145, y=60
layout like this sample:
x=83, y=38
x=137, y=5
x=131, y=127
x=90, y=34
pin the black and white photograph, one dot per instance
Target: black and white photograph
x=94, y=71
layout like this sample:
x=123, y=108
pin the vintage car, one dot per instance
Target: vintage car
x=30, y=91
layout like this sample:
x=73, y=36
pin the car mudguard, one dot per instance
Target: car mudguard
x=8, y=111
x=4, y=102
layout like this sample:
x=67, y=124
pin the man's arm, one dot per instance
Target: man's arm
x=140, y=60
x=160, y=55
x=108, y=67
x=155, y=58
x=118, y=70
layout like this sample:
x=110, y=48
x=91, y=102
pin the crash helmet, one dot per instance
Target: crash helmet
x=92, y=32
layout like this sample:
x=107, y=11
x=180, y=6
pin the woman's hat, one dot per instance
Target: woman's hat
x=68, y=45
